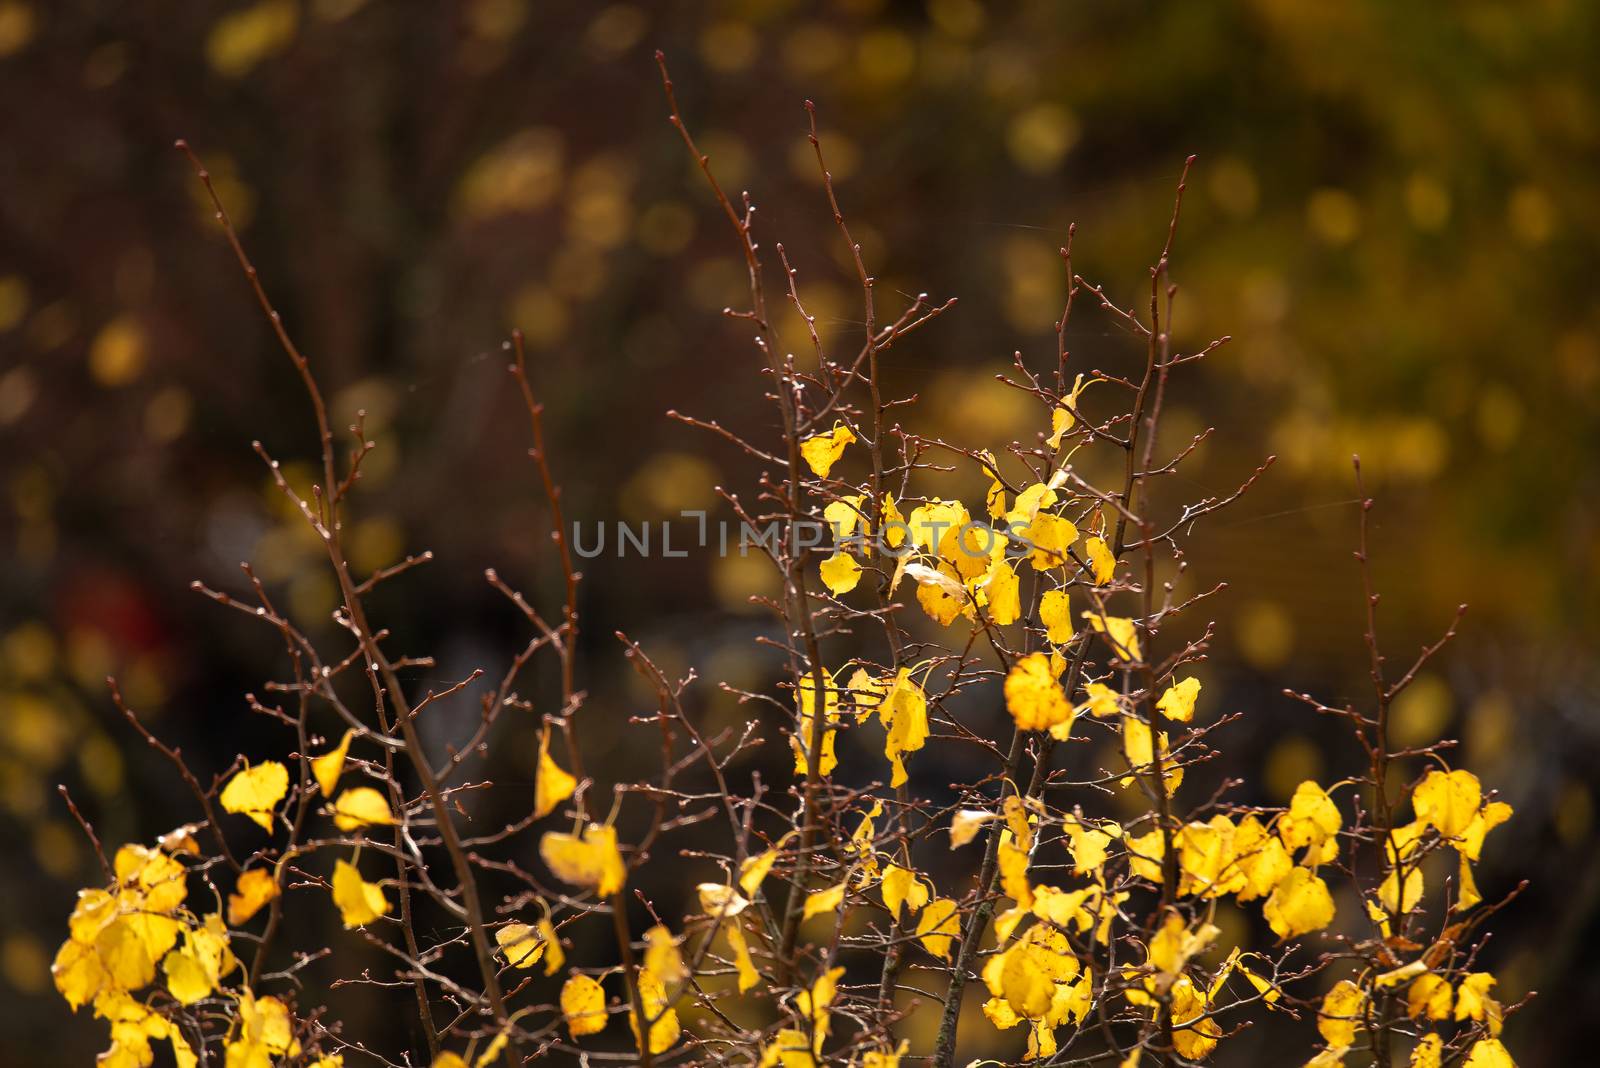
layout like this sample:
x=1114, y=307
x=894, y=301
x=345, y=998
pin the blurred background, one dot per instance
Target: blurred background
x=1395, y=213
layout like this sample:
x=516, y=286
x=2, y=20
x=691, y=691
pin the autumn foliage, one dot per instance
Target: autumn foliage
x=840, y=916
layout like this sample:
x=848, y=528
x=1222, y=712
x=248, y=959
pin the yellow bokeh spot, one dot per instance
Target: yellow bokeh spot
x=522, y=173
x=1491, y=729
x=1531, y=215
x=242, y=39
x=497, y=20
x=670, y=482
x=1333, y=216
x=885, y=58
x=665, y=227
x=1574, y=814
x=1500, y=413
x=375, y=543
x=1427, y=202
x=956, y=18
x=735, y=578
x=1234, y=187
x=839, y=150
x=1265, y=634
x=812, y=49
x=1040, y=136
x=616, y=29
x=540, y=314
x=58, y=849
x=117, y=356
x=729, y=47
x=1420, y=712
x=25, y=964
x=13, y=301
x=16, y=27
x=29, y=652
x=100, y=763
x=166, y=417
x=1290, y=762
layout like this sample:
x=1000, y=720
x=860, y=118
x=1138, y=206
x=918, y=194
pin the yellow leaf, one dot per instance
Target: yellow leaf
x=186, y=979
x=902, y=887
x=1396, y=976
x=1102, y=700
x=361, y=806
x=822, y=451
x=904, y=712
x=800, y=741
x=719, y=900
x=1001, y=589
x=554, y=784
x=965, y=823
x=1033, y=696
x=1467, y=894
x=330, y=765
x=449, y=1060
x=1101, y=562
x=591, y=861
x=1396, y=903
x=1488, y=818
x=754, y=871
x=254, y=888
x=583, y=1005
x=1448, y=801
x=78, y=973
x=256, y=791
x=813, y=1005
x=1260, y=857
x=1120, y=633
x=1489, y=1053
x=824, y=900
x=1299, y=904
x=840, y=573
x=748, y=976
x=1051, y=538
x=124, y=955
x=1429, y=1052
x=1014, y=871
x=885, y=1058
x=1472, y=998
x=1139, y=749
x=1088, y=844
x=161, y=880
x=844, y=516
x=938, y=927
x=1429, y=995
x=1341, y=1012
x=554, y=957
x=661, y=956
x=1056, y=614
x=1313, y=820
x=1178, y=702
x=359, y=901
x=522, y=945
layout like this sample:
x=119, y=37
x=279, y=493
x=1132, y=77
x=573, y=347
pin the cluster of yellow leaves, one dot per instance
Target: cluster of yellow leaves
x=118, y=936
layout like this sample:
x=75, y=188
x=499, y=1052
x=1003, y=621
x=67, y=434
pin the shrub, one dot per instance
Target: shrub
x=829, y=923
